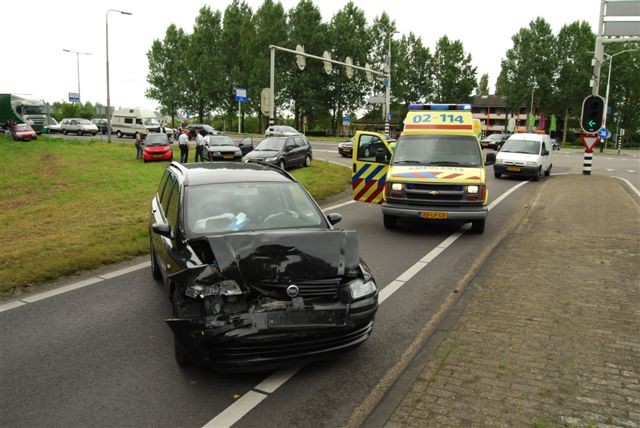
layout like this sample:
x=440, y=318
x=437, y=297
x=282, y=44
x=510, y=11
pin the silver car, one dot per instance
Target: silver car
x=280, y=131
x=78, y=126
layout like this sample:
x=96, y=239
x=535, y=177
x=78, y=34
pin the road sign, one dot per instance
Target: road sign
x=300, y=59
x=369, y=73
x=74, y=97
x=328, y=67
x=376, y=99
x=346, y=121
x=592, y=114
x=589, y=141
x=241, y=95
x=266, y=98
x=604, y=133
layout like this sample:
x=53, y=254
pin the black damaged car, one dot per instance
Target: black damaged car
x=256, y=273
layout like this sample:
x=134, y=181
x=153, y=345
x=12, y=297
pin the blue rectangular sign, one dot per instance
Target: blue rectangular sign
x=241, y=95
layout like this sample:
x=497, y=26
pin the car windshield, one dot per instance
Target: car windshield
x=270, y=144
x=494, y=137
x=438, y=150
x=84, y=122
x=23, y=128
x=220, y=141
x=156, y=140
x=33, y=109
x=151, y=122
x=521, y=146
x=240, y=207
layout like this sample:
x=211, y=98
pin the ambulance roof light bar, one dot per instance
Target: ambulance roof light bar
x=440, y=107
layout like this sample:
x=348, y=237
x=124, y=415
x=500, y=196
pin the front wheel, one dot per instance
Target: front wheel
x=119, y=134
x=64, y=132
x=281, y=164
x=538, y=174
x=79, y=133
x=548, y=171
x=182, y=358
x=155, y=269
x=477, y=226
x=389, y=221
x=307, y=161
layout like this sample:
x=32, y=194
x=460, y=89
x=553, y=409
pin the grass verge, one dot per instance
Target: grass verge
x=71, y=205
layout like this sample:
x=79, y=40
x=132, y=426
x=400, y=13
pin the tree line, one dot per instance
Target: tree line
x=196, y=72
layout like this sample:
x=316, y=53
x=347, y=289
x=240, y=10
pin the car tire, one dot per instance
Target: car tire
x=155, y=269
x=477, y=226
x=497, y=174
x=537, y=176
x=307, y=161
x=547, y=173
x=390, y=221
x=119, y=134
x=79, y=133
x=64, y=132
x=182, y=358
x=281, y=164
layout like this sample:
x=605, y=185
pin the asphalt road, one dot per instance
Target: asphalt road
x=101, y=355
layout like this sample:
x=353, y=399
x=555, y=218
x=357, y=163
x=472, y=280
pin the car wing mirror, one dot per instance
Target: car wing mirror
x=162, y=229
x=490, y=159
x=334, y=218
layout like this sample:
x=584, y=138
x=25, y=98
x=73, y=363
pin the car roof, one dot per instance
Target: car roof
x=229, y=172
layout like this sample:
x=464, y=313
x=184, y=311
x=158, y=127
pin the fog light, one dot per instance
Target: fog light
x=360, y=289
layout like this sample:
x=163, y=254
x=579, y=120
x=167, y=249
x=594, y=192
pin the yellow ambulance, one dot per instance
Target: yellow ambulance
x=435, y=172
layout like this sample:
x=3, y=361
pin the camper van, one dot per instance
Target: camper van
x=129, y=121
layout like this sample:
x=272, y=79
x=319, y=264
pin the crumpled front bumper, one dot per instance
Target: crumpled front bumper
x=269, y=339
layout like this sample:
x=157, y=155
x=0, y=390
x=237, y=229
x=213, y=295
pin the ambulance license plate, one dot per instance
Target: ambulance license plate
x=433, y=215
x=513, y=168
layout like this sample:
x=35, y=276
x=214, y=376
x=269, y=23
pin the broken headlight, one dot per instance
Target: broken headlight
x=359, y=288
x=227, y=287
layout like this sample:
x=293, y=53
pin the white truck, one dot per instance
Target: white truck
x=129, y=121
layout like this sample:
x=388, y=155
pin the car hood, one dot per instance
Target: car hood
x=154, y=149
x=262, y=154
x=516, y=157
x=280, y=257
x=223, y=148
x=436, y=174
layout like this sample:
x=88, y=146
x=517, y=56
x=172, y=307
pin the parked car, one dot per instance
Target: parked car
x=525, y=155
x=280, y=131
x=494, y=141
x=53, y=126
x=101, y=124
x=78, y=126
x=221, y=147
x=368, y=146
x=203, y=127
x=256, y=273
x=157, y=147
x=286, y=152
x=23, y=132
x=246, y=145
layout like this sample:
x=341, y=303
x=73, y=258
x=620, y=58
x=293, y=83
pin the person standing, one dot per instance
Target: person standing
x=139, y=144
x=199, y=145
x=162, y=129
x=183, y=143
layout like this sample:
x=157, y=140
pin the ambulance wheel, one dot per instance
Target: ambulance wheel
x=477, y=226
x=390, y=221
x=178, y=350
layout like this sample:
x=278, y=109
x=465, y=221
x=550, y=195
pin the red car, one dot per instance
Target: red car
x=23, y=132
x=157, y=147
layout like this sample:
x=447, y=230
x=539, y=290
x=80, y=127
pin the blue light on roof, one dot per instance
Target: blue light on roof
x=440, y=107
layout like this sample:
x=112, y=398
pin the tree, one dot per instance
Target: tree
x=483, y=85
x=624, y=91
x=204, y=94
x=575, y=41
x=454, y=77
x=529, y=64
x=167, y=71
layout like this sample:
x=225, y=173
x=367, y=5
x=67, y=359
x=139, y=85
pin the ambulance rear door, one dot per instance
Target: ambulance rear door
x=370, y=157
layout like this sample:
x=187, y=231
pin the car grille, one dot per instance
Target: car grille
x=324, y=289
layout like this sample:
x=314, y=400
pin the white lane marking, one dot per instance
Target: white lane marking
x=66, y=288
x=631, y=186
x=385, y=293
x=630, y=170
x=276, y=379
x=609, y=169
x=11, y=305
x=237, y=410
x=333, y=207
x=125, y=270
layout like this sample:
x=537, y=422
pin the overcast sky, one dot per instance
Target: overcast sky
x=35, y=33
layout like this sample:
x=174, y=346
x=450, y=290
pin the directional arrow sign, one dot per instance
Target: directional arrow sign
x=589, y=141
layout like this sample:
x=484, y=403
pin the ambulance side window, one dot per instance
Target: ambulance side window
x=372, y=149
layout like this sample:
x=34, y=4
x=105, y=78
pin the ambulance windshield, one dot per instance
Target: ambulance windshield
x=438, y=150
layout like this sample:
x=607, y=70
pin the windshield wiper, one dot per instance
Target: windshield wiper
x=443, y=163
x=525, y=153
x=413, y=162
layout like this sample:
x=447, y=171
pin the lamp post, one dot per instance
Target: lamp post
x=388, y=92
x=606, y=98
x=108, y=97
x=78, y=65
x=533, y=88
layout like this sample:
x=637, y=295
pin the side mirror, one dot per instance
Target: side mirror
x=162, y=229
x=491, y=159
x=334, y=218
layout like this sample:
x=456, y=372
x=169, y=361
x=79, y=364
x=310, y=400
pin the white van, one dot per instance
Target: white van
x=527, y=155
x=128, y=121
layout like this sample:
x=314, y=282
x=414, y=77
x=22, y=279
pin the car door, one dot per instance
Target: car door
x=246, y=145
x=369, y=170
x=167, y=212
x=545, y=153
x=290, y=153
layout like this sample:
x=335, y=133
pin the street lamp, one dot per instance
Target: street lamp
x=108, y=97
x=606, y=98
x=388, y=92
x=533, y=88
x=78, y=65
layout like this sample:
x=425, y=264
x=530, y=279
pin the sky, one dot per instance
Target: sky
x=36, y=66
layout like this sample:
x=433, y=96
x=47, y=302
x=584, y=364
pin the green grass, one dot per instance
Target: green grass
x=71, y=205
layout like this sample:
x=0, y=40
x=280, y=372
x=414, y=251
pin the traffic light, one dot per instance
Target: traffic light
x=592, y=114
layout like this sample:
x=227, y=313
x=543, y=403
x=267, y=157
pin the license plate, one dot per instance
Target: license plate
x=305, y=318
x=346, y=150
x=228, y=156
x=513, y=168
x=157, y=156
x=433, y=214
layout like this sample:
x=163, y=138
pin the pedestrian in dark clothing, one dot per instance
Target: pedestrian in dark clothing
x=183, y=143
x=139, y=144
